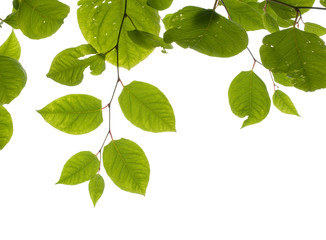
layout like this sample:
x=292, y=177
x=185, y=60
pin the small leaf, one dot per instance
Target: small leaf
x=314, y=28
x=284, y=103
x=248, y=96
x=146, y=107
x=159, y=4
x=11, y=47
x=67, y=69
x=6, y=127
x=96, y=188
x=12, y=79
x=148, y=40
x=79, y=168
x=74, y=114
x=15, y=4
x=270, y=23
x=127, y=165
x=11, y=20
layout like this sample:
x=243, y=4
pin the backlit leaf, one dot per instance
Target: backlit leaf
x=11, y=47
x=248, y=96
x=283, y=79
x=74, y=114
x=159, y=4
x=205, y=31
x=79, y=168
x=146, y=107
x=284, y=103
x=96, y=188
x=270, y=23
x=6, y=127
x=148, y=40
x=11, y=20
x=127, y=165
x=288, y=12
x=323, y=2
x=12, y=79
x=314, y=28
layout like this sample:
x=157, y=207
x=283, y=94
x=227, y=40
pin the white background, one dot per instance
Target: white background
x=209, y=180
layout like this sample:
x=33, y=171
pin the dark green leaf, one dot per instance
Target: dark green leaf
x=11, y=47
x=127, y=165
x=206, y=32
x=67, y=69
x=79, y=168
x=146, y=107
x=6, y=127
x=248, y=96
x=41, y=18
x=148, y=40
x=74, y=114
x=287, y=12
x=314, y=28
x=284, y=103
x=323, y=2
x=15, y=4
x=96, y=188
x=270, y=23
x=301, y=55
x=159, y=4
x=12, y=79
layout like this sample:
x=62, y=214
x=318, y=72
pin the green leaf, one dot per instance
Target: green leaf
x=127, y=165
x=96, y=188
x=67, y=69
x=15, y=4
x=248, y=96
x=41, y=18
x=11, y=20
x=79, y=168
x=244, y=14
x=284, y=103
x=283, y=79
x=314, y=28
x=74, y=114
x=6, y=127
x=287, y=12
x=270, y=23
x=146, y=107
x=11, y=47
x=323, y=2
x=12, y=79
x=159, y=4
x=100, y=23
x=304, y=61
x=148, y=40
x=205, y=31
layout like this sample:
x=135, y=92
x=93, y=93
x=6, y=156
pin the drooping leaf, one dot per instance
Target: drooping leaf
x=301, y=55
x=205, y=31
x=67, y=69
x=80, y=168
x=148, y=40
x=314, y=28
x=283, y=79
x=146, y=107
x=127, y=165
x=248, y=96
x=6, y=127
x=74, y=114
x=11, y=47
x=270, y=23
x=41, y=18
x=100, y=22
x=12, y=79
x=159, y=4
x=284, y=103
x=96, y=188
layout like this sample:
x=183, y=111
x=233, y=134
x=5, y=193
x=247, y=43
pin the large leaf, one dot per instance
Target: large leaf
x=146, y=107
x=100, y=23
x=74, y=114
x=12, y=79
x=301, y=55
x=314, y=28
x=11, y=47
x=6, y=127
x=127, y=165
x=248, y=96
x=205, y=31
x=68, y=69
x=284, y=103
x=41, y=18
x=96, y=187
x=159, y=4
x=79, y=168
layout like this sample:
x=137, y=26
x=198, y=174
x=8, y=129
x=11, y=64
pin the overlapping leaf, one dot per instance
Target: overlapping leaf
x=96, y=188
x=12, y=79
x=314, y=28
x=127, y=165
x=6, y=127
x=146, y=107
x=287, y=12
x=68, y=69
x=11, y=47
x=248, y=96
x=74, y=114
x=147, y=40
x=284, y=103
x=301, y=55
x=283, y=78
x=159, y=4
x=205, y=31
x=79, y=168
